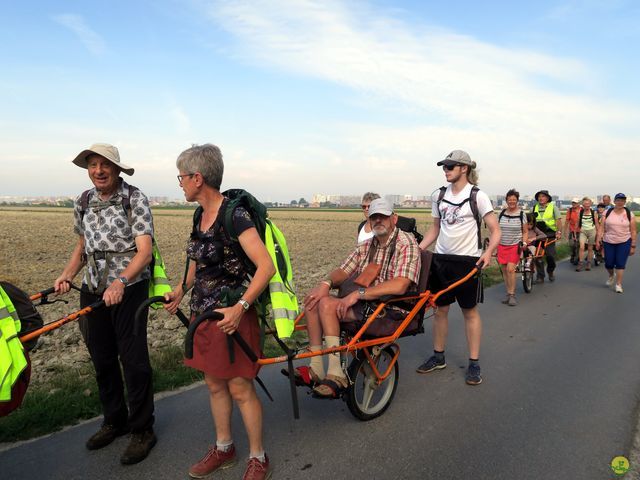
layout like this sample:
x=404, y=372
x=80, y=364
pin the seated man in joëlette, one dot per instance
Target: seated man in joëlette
x=387, y=264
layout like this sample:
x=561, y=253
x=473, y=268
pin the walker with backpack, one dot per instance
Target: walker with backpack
x=373, y=366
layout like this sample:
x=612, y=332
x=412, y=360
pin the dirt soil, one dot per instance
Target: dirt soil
x=35, y=244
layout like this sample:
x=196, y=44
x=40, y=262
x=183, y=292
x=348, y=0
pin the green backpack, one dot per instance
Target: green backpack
x=280, y=295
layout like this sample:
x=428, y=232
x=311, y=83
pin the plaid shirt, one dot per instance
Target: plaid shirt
x=405, y=261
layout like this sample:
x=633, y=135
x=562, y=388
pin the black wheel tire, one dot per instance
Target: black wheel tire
x=527, y=281
x=365, y=385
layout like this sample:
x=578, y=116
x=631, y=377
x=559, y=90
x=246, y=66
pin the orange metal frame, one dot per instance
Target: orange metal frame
x=540, y=249
x=355, y=343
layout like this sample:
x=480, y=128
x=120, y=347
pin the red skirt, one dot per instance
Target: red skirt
x=211, y=351
x=508, y=254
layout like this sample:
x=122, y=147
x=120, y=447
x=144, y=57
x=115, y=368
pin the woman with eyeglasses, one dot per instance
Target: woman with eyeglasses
x=215, y=273
x=364, y=229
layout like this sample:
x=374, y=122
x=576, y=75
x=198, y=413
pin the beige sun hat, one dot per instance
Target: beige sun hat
x=104, y=150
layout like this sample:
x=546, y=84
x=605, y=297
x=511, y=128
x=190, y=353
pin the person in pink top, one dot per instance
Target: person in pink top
x=617, y=233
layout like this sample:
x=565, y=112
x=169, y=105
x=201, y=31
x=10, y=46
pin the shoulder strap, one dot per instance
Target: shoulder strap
x=502, y=214
x=443, y=190
x=84, y=203
x=197, y=216
x=609, y=210
x=473, y=203
x=521, y=217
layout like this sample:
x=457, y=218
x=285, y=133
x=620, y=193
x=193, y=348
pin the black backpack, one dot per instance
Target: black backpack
x=606, y=215
x=503, y=213
x=406, y=224
x=473, y=203
x=30, y=319
x=593, y=217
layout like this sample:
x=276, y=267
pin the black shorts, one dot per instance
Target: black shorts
x=447, y=269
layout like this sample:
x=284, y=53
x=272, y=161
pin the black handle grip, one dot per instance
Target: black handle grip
x=188, y=339
x=215, y=316
x=159, y=299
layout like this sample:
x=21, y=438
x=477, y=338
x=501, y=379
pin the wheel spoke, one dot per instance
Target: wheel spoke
x=367, y=395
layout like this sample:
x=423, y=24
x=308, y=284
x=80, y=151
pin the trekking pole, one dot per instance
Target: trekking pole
x=58, y=323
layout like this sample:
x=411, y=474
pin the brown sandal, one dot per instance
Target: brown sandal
x=331, y=387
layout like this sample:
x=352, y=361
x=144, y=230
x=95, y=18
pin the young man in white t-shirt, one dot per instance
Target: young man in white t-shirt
x=457, y=252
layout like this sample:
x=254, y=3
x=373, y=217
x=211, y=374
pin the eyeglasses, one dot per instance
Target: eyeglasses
x=364, y=207
x=450, y=167
x=181, y=177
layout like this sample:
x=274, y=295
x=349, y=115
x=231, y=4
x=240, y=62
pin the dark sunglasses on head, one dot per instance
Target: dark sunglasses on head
x=451, y=167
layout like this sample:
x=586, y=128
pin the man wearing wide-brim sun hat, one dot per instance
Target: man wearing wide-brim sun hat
x=549, y=220
x=114, y=225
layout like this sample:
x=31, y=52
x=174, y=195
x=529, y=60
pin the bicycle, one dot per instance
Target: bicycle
x=527, y=265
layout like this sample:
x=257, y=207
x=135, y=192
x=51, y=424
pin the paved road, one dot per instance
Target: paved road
x=559, y=400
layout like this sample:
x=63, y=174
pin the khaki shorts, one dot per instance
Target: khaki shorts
x=588, y=237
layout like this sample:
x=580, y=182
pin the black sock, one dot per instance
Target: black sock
x=439, y=355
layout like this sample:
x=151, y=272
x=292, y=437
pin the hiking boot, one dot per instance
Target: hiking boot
x=103, y=437
x=139, y=447
x=539, y=280
x=579, y=267
x=506, y=299
x=431, y=364
x=474, y=376
x=588, y=266
x=257, y=470
x=609, y=282
x=619, y=289
x=512, y=302
x=214, y=459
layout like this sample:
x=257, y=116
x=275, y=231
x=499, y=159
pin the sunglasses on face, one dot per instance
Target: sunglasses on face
x=364, y=207
x=450, y=167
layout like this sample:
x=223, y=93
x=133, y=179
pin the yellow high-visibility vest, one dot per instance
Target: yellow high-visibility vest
x=12, y=358
x=547, y=216
x=158, y=283
x=284, y=303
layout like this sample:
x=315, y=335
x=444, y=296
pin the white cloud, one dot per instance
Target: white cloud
x=90, y=39
x=502, y=104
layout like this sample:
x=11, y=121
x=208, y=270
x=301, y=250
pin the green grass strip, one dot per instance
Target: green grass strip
x=71, y=395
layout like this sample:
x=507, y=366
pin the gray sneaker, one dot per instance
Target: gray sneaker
x=512, y=302
x=431, y=364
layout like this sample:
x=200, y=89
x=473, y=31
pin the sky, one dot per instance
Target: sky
x=330, y=97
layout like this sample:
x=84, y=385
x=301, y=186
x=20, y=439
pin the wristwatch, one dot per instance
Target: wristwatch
x=361, y=291
x=123, y=280
x=245, y=304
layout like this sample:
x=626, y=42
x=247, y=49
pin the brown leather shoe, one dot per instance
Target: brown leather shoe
x=103, y=437
x=139, y=447
x=257, y=470
x=214, y=460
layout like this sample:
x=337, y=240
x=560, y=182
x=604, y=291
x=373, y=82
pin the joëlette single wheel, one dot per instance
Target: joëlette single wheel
x=366, y=397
